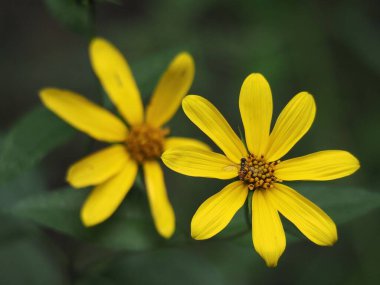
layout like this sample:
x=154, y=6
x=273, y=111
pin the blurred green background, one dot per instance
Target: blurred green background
x=328, y=48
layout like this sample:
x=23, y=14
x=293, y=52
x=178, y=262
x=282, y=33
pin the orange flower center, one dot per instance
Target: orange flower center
x=257, y=173
x=145, y=142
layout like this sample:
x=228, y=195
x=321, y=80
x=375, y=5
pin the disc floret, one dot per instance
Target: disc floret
x=257, y=173
x=145, y=142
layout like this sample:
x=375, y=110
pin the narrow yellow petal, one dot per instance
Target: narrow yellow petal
x=267, y=232
x=322, y=165
x=172, y=87
x=312, y=221
x=218, y=210
x=84, y=115
x=197, y=162
x=256, y=109
x=175, y=142
x=292, y=124
x=117, y=80
x=162, y=210
x=97, y=167
x=206, y=117
x=104, y=199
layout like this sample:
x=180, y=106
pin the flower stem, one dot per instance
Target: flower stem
x=248, y=210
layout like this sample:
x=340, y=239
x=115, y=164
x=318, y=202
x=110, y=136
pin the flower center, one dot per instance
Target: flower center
x=145, y=142
x=257, y=172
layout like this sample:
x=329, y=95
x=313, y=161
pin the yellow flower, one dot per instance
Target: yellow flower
x=114, y=169
x=259, y=169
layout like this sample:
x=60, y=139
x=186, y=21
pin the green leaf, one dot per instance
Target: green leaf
x=356, y=32
x=148, y=70
x=131, y=228
x=26, y=256
x=333, y=266
x=115, y=2
x=37, y=133
x=168, y=266
x=28, y=183
x=342, y=204
x=25, y=261
x=73, y=14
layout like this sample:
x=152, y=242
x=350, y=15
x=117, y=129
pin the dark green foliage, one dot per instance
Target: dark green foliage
x=32, y=138
x=329, y=49
x=130, y=229
x=72, y=14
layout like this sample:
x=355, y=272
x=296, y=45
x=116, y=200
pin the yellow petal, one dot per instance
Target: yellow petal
x=104, y=200
x=218, y=210
x=256, y=109
x=172, y=87
x=97, y=167
x=84, y=115
x=206, y=117
x=313, y=222
x=267, y=232
x=117, y=80
x=175, y=142
x=322, y=165
x=294, y=121
x=162, y=210
x=200, y=163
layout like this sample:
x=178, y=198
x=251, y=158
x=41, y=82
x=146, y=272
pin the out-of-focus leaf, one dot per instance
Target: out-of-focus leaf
x=131, y=228
x=354, y=29
x=149, y=69
x=37, y=133
x=116, y=2
x=24, y=261
x=333, y=266
x=95, y=280
x=364, y=234
x=166, y=266
x=73, y=14
x=342, y=204
x=29, y=183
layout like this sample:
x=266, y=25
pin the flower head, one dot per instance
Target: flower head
x=113, y=170
x=259, y=168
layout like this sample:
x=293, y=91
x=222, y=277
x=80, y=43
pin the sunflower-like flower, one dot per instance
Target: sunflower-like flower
x=259, y=169
x=113, y=170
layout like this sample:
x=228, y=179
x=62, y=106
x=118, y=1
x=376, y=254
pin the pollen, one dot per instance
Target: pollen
x=257, y=173
x=145, y=142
